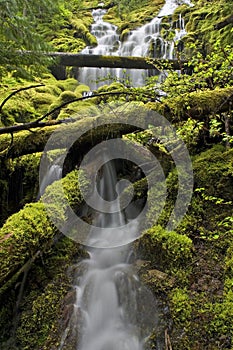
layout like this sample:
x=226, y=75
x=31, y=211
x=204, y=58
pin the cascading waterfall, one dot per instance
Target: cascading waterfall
x=53, y=173
x=112, y=309
x=115, y=310
x=144, y=41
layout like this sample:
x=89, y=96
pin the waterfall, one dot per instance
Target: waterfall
x=144, y=41
x=115, y=310
x=52, y=173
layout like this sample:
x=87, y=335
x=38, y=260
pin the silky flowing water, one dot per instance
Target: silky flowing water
x=109, y=291
x=146, y=40
x=113, y=310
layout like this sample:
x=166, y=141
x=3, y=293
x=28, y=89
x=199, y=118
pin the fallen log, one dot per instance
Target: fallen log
x=34, y=140
x=195, y=105
x=100, y=61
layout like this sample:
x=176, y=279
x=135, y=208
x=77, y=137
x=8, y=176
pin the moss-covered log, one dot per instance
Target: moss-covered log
x=99, y=61
x=195, y=105
x=34, y=258
x=94, y=129
x=30, y=230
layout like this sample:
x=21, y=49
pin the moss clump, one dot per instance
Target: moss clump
x=80, y=89
x=41, y=101
x=128, y=16
x=82, y=32
x=201, y=20
x=165, y=249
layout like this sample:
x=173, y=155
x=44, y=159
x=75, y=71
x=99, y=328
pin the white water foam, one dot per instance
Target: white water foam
x=137, y=43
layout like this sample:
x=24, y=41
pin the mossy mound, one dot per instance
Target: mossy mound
x=198, y=280
x=202, y=23
x=166, y=250
x=26, y=106
x=32, y=248
x=130, y=15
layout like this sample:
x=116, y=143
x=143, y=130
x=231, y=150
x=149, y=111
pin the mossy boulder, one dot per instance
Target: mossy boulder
x=165, y=249
x=32, y=247
x=131, y=15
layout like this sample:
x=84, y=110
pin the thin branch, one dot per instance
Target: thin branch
x=168, y=345
x=37, y=123
x=16, y=92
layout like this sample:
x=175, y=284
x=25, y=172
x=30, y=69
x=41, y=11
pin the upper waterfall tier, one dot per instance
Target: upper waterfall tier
x=144, y=41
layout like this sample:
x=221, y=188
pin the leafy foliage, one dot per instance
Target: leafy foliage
x=18, y=31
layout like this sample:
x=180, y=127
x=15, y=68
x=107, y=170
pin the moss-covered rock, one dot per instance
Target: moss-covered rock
x=130, y=15
x=166, y=250
x=31, y=246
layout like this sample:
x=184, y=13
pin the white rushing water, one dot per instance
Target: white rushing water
x=115, y=310
x=138, y=43
x=52, y=173
x=108, y=293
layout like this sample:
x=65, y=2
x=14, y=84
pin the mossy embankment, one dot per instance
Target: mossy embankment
x=206, y=23
x=34, y=258
x=191, y=269
x=131, y=15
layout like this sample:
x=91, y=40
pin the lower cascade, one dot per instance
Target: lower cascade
x=113, y=309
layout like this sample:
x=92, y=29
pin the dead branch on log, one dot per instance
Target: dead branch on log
x=38, y=124
x=168, y=345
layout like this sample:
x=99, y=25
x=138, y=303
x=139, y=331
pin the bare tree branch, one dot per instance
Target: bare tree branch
x=37, y=123
x=16, y=92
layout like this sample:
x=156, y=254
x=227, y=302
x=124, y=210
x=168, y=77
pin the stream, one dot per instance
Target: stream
x=113, y=310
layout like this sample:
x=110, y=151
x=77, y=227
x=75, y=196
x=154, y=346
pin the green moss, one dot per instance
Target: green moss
x=18, y=109
x=83, y=32
x=30, y=229
x=129, y=16
x=68, y=84
x=201, y=20
x=24, y=181
x=181, y=307
x=165, y=249
x=41, y=321
x=196, y=104
x=25, y=237
x=81, y=88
